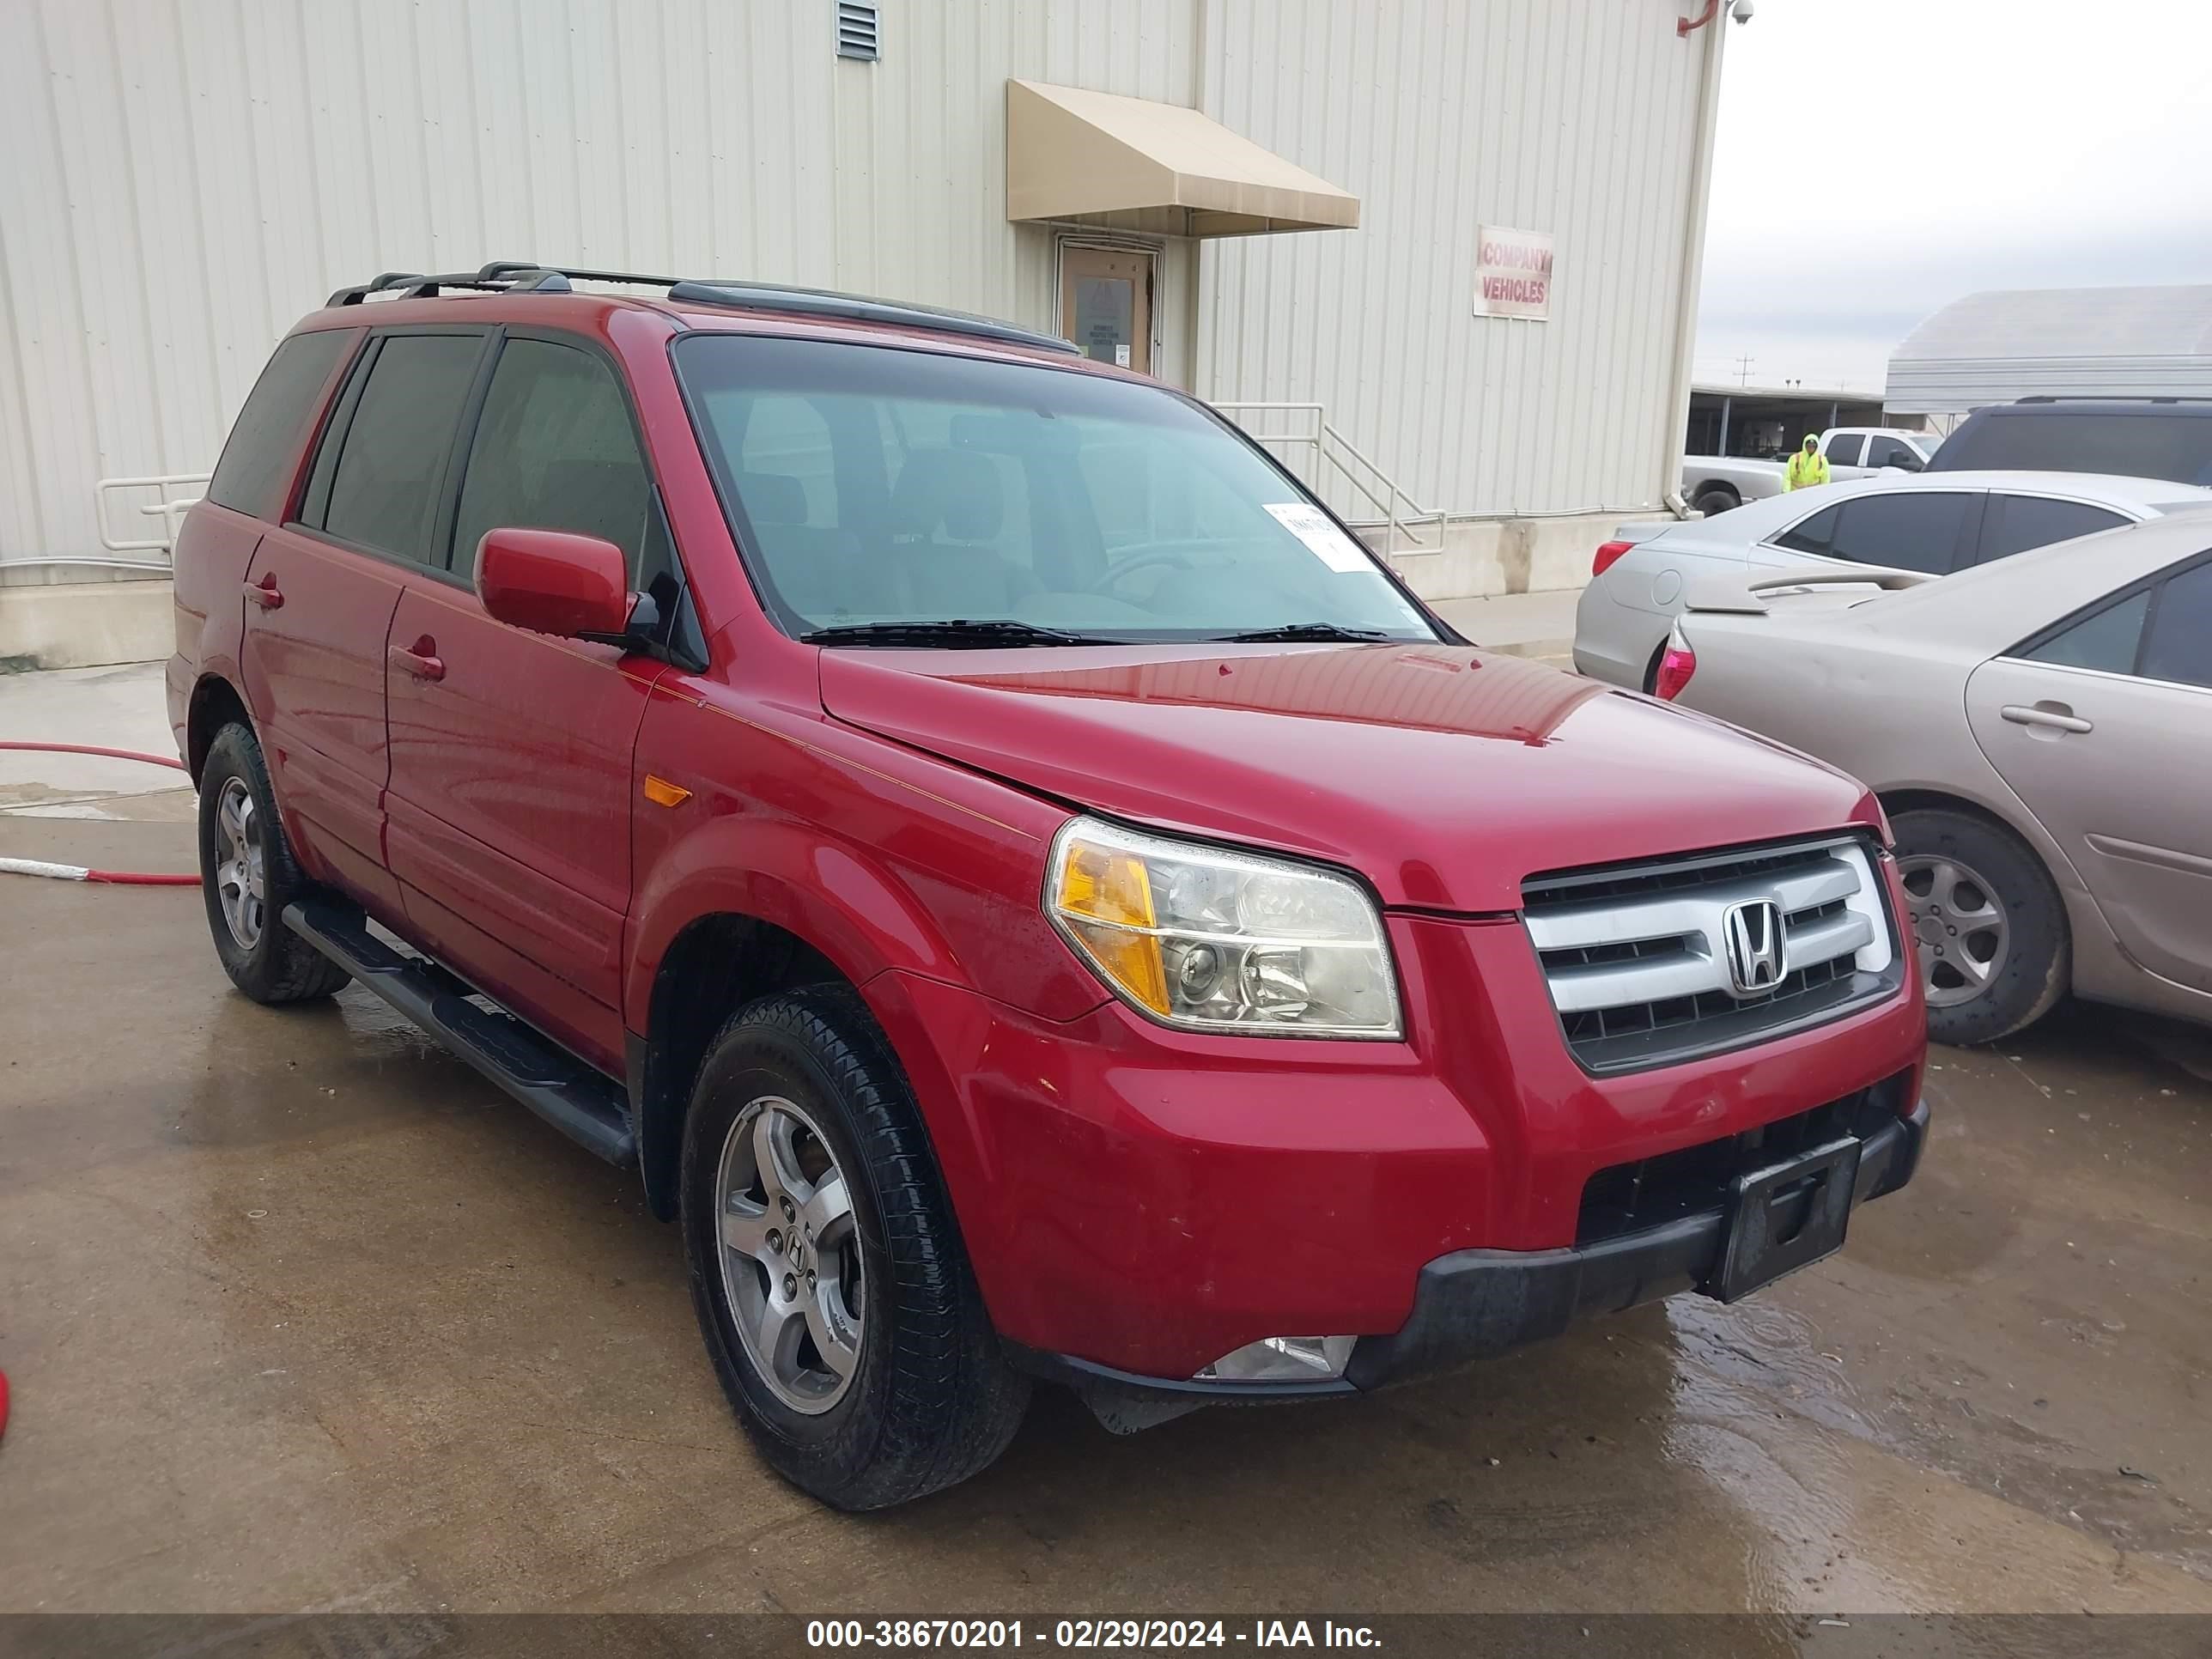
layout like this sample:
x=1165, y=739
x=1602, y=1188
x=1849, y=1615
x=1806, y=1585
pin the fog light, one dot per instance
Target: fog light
x=1283, y=1360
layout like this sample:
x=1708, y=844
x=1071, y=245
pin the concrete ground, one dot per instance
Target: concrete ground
x=1538, y=625
x=300, y=1314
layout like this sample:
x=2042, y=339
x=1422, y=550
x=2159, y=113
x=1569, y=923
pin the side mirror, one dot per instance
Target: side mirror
x=550, y=581
x=1908, y=462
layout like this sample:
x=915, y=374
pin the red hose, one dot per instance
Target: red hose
x=169, y=760
x=115, y=877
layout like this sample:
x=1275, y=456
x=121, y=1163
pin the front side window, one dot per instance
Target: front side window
x=873, y=485
x=383, y=489
x=554, y=450
x=1891, y=452
x=1905, y=530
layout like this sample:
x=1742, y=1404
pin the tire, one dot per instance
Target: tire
x=1712, y=502
x=239, y=824
x=2012, y=972
x=925, y=1399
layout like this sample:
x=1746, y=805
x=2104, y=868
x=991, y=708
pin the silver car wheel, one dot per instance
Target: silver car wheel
x=791, y=1254
x=239, y=877
x=1959, y=922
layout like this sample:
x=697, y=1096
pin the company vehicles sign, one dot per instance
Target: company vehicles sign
x=1513, y=273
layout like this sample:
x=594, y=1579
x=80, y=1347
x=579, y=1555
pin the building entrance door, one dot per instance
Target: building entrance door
x=1106, y=305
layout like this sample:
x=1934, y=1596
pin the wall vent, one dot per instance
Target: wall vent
x=858, y=36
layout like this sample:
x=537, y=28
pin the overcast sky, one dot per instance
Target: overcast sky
x=1877, y=159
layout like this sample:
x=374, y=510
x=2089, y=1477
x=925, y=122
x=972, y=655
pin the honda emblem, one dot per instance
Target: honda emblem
x=1751, y=935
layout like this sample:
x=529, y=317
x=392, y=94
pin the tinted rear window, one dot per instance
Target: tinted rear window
x=1908, y=530
x=394, y=458
x=2017, y=523
x=2178, y=647
x=2106, y=639
x=270, y=428
x=2150, y=444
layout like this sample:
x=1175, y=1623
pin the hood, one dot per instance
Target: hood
x=1443, y=775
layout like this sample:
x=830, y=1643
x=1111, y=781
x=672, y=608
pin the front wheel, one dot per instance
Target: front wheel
x=829, y=1275
x=1987, y=924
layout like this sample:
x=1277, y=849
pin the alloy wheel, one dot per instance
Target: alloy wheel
x=239, y=878
x=792, y=1269
x=1961, y=924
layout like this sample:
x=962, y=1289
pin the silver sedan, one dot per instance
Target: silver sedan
x=1935, y=525
x=2041, y=734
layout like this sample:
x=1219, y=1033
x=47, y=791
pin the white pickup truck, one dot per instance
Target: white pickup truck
x=1714, y=484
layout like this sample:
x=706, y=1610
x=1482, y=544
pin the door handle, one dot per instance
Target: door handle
x=263, y=592
x=2057, y=716
x=421, y=659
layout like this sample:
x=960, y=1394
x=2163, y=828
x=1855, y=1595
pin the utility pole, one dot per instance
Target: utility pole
x=1743, y=370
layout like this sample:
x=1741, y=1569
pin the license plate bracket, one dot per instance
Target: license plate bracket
x=1786, y=1216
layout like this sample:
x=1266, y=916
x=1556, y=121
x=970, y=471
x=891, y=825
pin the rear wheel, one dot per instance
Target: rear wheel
x=1712, y=502
x=247, y=875
x=829, y=1275
x=1987, y=924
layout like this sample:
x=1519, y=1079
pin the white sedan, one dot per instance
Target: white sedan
x=1935, y=524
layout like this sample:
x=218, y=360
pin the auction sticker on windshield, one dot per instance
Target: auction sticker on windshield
x=1318, y=531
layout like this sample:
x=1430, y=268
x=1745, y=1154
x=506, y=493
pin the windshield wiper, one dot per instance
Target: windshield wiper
x=956, y=635
x=1293, y=632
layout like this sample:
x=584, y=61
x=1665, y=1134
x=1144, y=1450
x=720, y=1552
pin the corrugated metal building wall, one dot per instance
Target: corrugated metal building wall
x=1580, y=119
x=183, y=178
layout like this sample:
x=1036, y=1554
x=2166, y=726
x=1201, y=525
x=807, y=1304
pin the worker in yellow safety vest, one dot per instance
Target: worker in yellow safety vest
x=1809, y=466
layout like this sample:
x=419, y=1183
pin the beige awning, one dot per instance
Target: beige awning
x=1097, y=158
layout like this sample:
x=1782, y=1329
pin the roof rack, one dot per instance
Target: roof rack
x=2110, y=398
x=527, y=277
x=500, y=276
x=826, y=302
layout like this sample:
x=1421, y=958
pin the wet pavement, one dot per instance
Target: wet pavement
x=301, y=1314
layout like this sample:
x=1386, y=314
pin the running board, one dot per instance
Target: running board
x=582, y=1104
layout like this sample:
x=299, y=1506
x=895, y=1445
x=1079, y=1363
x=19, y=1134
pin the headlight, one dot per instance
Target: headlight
x=1218, y=941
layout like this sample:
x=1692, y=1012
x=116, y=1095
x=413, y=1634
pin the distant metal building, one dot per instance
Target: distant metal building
x=1297, y=208
x=2009, y=343
x=1761, y=421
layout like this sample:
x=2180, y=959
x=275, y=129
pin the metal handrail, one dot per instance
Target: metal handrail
x=1401, y=512
x=170, y=509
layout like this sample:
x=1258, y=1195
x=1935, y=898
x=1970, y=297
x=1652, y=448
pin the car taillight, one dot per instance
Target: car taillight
x=1675, y=666
x=1607, y=554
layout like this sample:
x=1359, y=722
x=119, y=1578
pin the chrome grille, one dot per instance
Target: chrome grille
x=1635, y=957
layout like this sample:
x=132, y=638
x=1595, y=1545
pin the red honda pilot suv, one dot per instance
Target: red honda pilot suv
x=1032, y=896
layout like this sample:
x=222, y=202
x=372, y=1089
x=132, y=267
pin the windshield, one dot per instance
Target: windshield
x=878, y=486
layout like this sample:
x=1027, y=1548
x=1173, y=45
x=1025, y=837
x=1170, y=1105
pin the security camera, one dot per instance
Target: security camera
x=1741, y=10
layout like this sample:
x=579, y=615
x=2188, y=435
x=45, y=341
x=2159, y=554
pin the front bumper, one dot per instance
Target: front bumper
x=1147, y=1200
x=1476, y=1304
